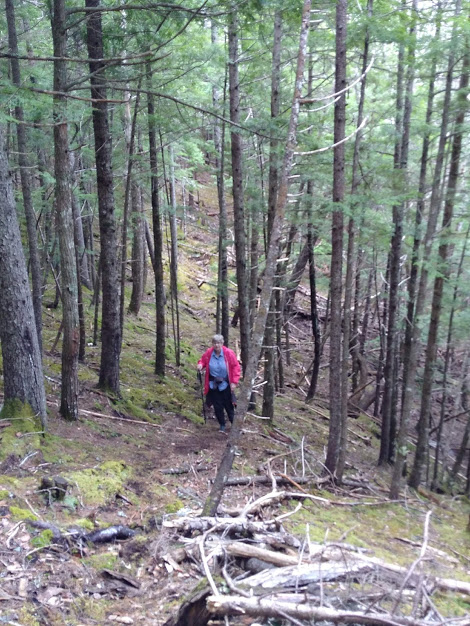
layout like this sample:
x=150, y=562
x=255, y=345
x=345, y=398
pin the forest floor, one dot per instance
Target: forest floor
x=149, y=457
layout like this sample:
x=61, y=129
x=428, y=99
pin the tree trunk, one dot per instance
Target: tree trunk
x=174, y=260
x=237, y=178
x=110, y=327
x=138, y=250
x=212, y=501
x=26, y=182
x=273, y=180
x=334, y=435
x=316, y=332
x=350, y=267
x=22, y=367
x=63, y=201
x=402, y=129
x=157, y=235
x=223, y=311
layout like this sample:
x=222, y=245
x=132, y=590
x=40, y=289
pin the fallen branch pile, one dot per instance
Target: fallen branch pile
x=268, y=573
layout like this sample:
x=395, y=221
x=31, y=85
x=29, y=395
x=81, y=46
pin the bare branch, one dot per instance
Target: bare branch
x=366, y=119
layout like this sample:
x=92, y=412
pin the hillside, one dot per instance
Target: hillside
x=145, y=462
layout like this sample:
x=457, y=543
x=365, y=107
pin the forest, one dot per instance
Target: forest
x=291, y=176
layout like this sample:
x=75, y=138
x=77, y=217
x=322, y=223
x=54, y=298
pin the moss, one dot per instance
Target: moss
x=16, y=438
x=9, y=481
x=14, y=408
x=4, y=493
x=88, y=608
x=85, y=523
x=100, y=484
x=451, y=605
x=62, y=451
x=22, y=514
x=26, y=616
x=43, y=540
x=174, y=507
x=104, y=560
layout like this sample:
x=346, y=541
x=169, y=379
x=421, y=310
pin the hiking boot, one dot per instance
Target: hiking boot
x=222, y=429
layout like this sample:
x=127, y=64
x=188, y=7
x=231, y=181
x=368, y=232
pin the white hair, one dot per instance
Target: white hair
x=218, y=338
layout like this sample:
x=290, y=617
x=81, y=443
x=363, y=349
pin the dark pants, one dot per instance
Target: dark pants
x=221, y=400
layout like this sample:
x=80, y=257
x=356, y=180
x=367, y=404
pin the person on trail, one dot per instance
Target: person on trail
x=222, y=376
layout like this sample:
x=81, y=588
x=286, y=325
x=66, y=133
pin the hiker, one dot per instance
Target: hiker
x=222, y=375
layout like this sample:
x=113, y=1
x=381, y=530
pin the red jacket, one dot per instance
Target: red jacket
x=231, y=363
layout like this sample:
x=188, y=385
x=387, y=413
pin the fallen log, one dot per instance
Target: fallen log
x=275, y=606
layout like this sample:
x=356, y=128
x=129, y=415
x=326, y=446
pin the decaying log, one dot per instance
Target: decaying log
x=266, y=480
x=185, y=469
x=273, y=606
x=302, y=575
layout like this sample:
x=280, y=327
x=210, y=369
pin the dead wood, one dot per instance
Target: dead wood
x=185, y=469
x=266, y=480
x=272, y=606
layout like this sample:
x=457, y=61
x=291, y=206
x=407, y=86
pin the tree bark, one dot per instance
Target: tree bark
x=25, y=168
x=160, y=358
x=22, y=367
x=334, y=434
x=174, y=260
x=110, y=327
x=237, y=191
x=63, y=201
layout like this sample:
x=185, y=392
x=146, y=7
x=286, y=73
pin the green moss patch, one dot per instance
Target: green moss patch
x=21, y=437
x=100, y=484
x=22, y=514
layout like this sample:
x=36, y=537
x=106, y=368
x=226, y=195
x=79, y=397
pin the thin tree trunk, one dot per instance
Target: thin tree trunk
x=223, y=312
x=399, y=164
x=335, y=393
x=26, y=182
x=63, y=201
x=316, y=331
x=110, y=327
x=350, y=267
x=157, y=235
x=212, y=501
x=127, y=200
x=138, y=251
x=174, y=260
x=273, y=180
x=237, y=178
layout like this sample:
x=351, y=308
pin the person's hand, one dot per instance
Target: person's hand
x=233, y=386
x=199, y=367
